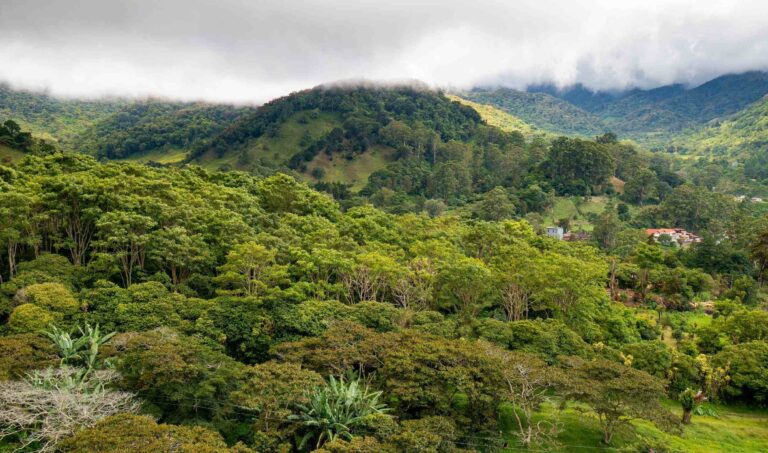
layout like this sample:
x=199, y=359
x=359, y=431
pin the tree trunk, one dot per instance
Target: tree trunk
x=687, y=413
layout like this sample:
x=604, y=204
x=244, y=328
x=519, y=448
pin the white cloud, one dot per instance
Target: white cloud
x=251, y=51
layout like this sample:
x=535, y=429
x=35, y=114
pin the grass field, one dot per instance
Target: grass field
x=9, y=154
x=734, y=430
x=500, y=118
x=356, y=171
x=161, y=156
x=576, y=209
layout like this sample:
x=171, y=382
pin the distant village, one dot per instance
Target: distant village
x=670, y=236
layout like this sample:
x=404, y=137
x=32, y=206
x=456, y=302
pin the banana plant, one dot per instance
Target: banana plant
x=335, y=409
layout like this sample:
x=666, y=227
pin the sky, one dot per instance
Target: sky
x=250, y=51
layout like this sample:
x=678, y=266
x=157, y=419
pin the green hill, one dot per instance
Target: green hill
x=541, y=110
x=737, y=136
x=152, y=127
x=340, y=134
x=51, y=118
x=117, y=128
x=654, y=116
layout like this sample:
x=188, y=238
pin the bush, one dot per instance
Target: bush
x=141, y=434
x=654, y=357
x=747, y=366
x=22, y=353
x=29, y=318
x=53, y=297
x=41, y=411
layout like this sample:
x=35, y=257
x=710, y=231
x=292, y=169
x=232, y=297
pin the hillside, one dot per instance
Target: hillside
x=738, y=136
x=55, y=119
x=145, y=130
x=340, y=134
x=499, y=118
x=651, y=116
x=144, y=127
x=540, y=109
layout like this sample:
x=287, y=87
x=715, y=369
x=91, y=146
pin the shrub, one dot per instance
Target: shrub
x=29, y=318
x=141, y=434
x=53, y=297
x=22, y=353
x=48, y=407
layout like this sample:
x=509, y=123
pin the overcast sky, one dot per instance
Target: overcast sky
x=255, y=50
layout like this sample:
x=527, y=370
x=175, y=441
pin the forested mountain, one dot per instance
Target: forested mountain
x=52, y=118
x=541, y=110
x=117, y=128
x=146, y=126
x=649, y=116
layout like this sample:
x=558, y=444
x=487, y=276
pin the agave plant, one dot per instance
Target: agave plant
x=336, y=408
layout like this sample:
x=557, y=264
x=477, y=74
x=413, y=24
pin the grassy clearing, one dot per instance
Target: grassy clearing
x=734, y=430
x=576, y=209
x=354, y=172
x=499, y=118
x=161, y=156
x=9, y=154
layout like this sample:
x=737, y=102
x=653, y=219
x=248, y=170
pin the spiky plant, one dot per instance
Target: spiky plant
x=78, y=350
x=336, y=408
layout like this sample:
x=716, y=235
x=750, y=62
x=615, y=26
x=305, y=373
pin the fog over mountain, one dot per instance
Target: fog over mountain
x=252, y=51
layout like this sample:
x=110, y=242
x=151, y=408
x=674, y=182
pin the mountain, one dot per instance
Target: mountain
x=151, y=128
x=540, y=109
x=148, y=129
x=501, y=119
x=650, y=116
x=54, y=119
x=737, y=136
x=339, y=133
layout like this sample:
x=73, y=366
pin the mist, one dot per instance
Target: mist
x=253, y=51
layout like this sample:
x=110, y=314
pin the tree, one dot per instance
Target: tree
x=463, y=284
x=494, y=205
x=616, y=393
x=576, y=166
x=528, y=381
x=759, y=254
x=179, y=252
x=641, y=186
x=124, y=235
x=250, y=268
x=607, y=228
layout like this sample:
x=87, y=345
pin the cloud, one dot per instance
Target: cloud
x=252, y=51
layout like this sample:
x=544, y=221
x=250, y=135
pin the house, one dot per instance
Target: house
x=555, y=232
x=577, y=236
x=678, y=235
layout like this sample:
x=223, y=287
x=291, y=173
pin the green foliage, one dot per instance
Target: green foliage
x=337, y=409
x=29, y=318
x=145, y=435
x=747, y=366
x=178, y=374
x=22, y=353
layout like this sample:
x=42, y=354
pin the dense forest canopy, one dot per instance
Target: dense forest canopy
x=150, y=305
